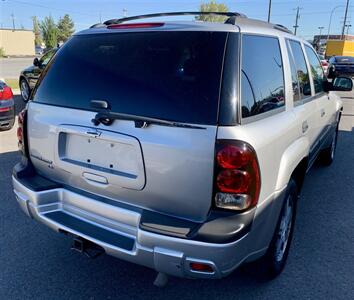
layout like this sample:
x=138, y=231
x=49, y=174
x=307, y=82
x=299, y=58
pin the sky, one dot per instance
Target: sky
x=313, y=13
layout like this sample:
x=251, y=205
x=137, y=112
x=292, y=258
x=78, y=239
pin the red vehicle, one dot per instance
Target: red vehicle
x=7, y=107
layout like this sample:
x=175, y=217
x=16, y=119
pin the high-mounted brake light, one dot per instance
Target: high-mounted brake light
x=6, y=93
x=237, y=176
x=134, y=25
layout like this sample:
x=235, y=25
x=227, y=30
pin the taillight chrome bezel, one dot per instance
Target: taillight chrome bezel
x=234, y=157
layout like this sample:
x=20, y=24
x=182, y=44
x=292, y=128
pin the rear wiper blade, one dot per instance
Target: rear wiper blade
x=107, y=118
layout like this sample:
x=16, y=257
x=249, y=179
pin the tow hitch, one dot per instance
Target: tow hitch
x=86, y=247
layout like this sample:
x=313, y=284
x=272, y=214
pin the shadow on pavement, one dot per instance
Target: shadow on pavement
x=19, y=103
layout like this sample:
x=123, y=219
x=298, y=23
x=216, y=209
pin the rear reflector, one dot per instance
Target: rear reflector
x=200, y=267
x=134, y=25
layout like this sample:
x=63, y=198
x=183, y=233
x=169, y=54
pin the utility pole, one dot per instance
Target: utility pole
x=13, y=21
x=297, y=19
x=320, y=28
x=345, y=19
x=269, y=10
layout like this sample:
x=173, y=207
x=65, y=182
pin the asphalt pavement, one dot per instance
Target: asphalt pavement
x=36, y=262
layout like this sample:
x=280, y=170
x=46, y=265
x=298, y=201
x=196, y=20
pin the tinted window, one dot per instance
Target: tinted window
x=316, y=69
x=262, y=80
x=168, y=75
x=301, y=69
x=294, y=77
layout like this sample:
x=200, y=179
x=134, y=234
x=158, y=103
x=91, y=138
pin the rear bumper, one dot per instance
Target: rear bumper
x=118, y=230
x=7, y=118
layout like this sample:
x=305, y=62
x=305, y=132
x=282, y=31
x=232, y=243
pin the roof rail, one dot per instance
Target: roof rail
x=231, y=15
x=282, y=28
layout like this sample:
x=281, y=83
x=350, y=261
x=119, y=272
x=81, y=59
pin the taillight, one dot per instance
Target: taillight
x=6, y=93
x=134, y=25
x=324, y=64
x=237, y=176
x=21, y=131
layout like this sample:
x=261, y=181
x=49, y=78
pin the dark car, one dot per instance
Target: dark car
x=7, y=107
x=340, y=65
x=30, y=75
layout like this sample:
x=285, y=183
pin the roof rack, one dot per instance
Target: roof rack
x=282, y=28
x=231, y=17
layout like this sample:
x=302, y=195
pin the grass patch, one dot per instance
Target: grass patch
x=13, y=83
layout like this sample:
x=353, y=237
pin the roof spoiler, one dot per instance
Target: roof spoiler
x=231, y=17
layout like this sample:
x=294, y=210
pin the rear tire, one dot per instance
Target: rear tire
x=273, y=262
x=327, y=155
x=25, y=90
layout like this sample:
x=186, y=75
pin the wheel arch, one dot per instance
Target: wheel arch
x=294, y=164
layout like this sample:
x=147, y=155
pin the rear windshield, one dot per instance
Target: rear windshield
x=167, y=75
x=345, y=59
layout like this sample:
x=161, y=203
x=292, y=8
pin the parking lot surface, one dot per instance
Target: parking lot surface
x=10, y=68
x=36, y=262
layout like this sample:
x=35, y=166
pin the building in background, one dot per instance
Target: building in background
x=336, y=46
x=17, y=42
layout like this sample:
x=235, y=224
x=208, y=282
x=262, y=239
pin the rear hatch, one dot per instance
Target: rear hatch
x=171, y=76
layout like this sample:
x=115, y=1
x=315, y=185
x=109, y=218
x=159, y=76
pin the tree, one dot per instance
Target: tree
x=50, y=32
x=65, y=28
x=212, y=6
x=37, y=32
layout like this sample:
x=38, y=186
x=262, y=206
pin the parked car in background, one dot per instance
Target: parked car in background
x=29, y=76
x=324, y=63
x=341, y=65
x=7, y=107
x=39, y=50
x=135, y=144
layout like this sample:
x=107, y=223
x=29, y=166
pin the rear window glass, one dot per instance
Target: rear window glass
x=167, y=75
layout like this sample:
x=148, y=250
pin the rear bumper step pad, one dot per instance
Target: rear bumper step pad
x=93, y=231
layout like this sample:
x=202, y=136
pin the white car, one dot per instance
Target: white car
x=180, y=146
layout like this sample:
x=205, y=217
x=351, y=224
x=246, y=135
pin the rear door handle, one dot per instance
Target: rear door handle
x=323, y=113
x=305, y=126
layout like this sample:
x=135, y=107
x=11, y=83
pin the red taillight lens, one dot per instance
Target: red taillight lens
x=233, y=181
x=134, y=25
x=6, y=93
x=324, y=64
x=237, y=176
x=232, y=157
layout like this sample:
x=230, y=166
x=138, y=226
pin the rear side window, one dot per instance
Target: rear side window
x=316, y=69
x=301, y=69
x=167, y=75
x=262, y=78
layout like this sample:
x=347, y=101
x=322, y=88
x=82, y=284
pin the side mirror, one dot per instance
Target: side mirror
x=341, y=83
x=36, y=62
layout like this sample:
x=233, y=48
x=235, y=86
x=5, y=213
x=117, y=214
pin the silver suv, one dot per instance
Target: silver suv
x=180, y=146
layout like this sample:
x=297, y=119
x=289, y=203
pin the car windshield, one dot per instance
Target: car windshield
x=167, y=75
